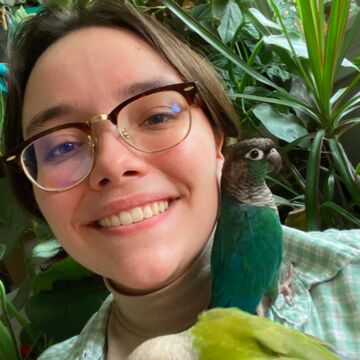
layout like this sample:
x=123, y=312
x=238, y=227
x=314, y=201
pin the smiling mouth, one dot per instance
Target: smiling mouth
x=134, y=215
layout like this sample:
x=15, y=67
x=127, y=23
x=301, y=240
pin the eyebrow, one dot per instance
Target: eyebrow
x=62, y=109
x=140, y=87
x=40, y=118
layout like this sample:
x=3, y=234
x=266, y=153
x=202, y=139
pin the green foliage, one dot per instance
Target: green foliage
x=65, y=270
x=284, y=126
x=7, y=347
x=63, y=312
x=281, y=73
x=14, y=221
x=357, y=171
x=58, y=296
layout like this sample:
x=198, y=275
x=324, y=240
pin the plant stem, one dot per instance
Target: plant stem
x=251, y=62
x=21, y=320
x=4, y=305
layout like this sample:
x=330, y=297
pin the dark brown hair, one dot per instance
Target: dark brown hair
x=34, y=36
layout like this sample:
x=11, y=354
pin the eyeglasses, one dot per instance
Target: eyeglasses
x=60, y=158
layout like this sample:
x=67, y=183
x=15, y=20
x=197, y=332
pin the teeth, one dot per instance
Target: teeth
x=147, y=212
x=114, y=221
x=135, y=215
x=155, y=209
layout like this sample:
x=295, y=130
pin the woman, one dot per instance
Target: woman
x=119, y=127
x=138, y=207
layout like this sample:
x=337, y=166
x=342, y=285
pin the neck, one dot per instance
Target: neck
x=249, y=190
x=171, y=309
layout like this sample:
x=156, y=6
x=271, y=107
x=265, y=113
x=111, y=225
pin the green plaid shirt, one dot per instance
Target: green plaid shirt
x=326, y=300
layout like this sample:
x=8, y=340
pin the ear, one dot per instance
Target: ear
x=219, y=142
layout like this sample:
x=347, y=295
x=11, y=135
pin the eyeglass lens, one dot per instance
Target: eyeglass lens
x=62, y=159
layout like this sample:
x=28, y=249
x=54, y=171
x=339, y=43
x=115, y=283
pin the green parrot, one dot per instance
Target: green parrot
x=232, y=334
x=248, y=242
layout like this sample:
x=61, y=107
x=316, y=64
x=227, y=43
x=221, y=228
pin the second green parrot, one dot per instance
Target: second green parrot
x=232, y=334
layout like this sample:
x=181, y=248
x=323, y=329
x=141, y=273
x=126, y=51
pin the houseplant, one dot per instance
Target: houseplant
x=305, y=113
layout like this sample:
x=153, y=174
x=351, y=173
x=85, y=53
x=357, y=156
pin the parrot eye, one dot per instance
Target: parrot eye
x=255, y=154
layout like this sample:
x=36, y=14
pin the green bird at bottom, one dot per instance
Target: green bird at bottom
x=232, y=334
x=248, y=242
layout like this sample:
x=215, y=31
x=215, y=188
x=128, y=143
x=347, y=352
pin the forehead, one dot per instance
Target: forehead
x=93, y=68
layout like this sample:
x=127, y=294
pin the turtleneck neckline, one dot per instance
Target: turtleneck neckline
x=171, y=309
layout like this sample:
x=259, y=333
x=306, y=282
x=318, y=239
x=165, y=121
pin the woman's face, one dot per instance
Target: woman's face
x=90, y=71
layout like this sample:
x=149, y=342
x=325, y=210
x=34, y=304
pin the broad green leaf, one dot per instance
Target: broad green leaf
x=230, y=21
x=14, y=221
x=66, y=269
x=289, y=14
x=299, y=46
x=281, y=41
x=252, y=19
x=248, y=31
x=283, y=126
x=63, y=312
x=202, y=14
x=218, y=8
x=264, y=21
x=46, y=249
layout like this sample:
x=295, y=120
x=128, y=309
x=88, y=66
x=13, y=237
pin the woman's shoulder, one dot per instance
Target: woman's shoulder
x=89, y=344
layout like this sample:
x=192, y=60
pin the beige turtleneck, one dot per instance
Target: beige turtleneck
x=175, y=308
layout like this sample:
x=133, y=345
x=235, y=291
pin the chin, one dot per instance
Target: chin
x=146, y=277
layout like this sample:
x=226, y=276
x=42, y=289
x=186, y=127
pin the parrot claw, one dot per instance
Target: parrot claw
x=286, y=287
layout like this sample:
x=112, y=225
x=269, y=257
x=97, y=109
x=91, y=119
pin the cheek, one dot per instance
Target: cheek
x=58, y=210
x=195, y=165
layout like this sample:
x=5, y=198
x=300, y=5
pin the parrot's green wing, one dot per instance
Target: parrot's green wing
x=246, y=255
x=232, y=334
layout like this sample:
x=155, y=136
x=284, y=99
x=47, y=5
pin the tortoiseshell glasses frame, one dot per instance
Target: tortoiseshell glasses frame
x=152, y=121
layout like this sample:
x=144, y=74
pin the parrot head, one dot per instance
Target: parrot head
x=251, y=158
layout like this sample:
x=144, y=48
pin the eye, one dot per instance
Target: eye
x=158, y=119
x=255, y=154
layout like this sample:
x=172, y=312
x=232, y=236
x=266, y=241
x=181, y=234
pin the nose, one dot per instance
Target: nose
x=115, y=163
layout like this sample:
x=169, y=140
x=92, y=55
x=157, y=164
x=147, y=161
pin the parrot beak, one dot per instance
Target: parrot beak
x=275, y=159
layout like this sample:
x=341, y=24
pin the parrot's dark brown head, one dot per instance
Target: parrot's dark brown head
x=251, y=159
